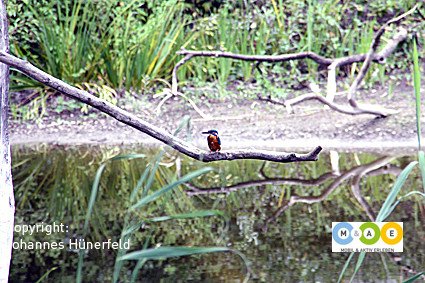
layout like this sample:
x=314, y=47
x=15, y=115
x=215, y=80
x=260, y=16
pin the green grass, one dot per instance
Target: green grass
x=126, y=45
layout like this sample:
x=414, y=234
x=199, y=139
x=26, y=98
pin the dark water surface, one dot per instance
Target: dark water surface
x=279, y=216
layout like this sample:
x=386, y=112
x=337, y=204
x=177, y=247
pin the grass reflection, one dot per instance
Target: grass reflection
x=53, y=183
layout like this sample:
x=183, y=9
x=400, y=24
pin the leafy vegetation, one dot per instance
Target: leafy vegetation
x=127, y=45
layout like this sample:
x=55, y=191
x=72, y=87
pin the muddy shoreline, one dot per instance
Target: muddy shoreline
x=243, y=123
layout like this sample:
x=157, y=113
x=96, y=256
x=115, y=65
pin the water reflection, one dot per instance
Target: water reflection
x=280, y=215
x=355, y=174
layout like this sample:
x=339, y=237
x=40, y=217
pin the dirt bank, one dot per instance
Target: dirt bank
x=244, y=123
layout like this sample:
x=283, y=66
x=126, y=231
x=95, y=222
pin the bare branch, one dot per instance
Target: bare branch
x=371, y=53
x=145, y=127
x=332, y=65
x=387, y=169
x=168, y=94
x=269, y=99
x=350, y=110
x=354, y=108
x=261, y=155
x=262, y=58
x=338, y=62
x=180, y=63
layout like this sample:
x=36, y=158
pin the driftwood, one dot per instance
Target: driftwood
x=400, y=36
x=145, y=127
x=7, y=200
x=332, y=64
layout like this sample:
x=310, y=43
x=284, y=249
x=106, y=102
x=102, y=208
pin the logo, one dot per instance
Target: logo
x=367, y=236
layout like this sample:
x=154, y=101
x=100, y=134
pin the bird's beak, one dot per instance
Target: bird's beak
x=205, y=132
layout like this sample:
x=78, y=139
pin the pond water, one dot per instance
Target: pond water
x=275, y=218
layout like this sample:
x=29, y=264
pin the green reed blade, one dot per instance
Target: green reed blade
x=359, y=263
x=79, y=278
x=387, y=208
x=347, y=263
x=119, y=264
x=310, y=12
x=202, y=213
x=417, y=87
x=136, y=270
x=94, y=191
x=421, y=158
x=95, y=187
x=405, y=196
x=141, y=262
x=413, y=278
x=139, y=183
x=185, y=121
x=167, y=252
x=45, y=275
x=158, y=193
x=152, y=174
x=25, y=83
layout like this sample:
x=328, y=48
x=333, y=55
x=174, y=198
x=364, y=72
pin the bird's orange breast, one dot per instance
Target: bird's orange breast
x=213, y=143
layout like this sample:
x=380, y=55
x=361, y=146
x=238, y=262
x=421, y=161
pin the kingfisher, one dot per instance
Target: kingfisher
x=213, y=140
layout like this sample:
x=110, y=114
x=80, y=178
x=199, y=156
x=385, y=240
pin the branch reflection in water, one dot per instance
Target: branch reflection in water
x=378, y=167
x=262, y=200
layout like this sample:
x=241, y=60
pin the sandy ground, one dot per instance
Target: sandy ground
x=244, y=124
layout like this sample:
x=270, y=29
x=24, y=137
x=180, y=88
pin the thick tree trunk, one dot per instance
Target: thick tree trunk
x=7, y=200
